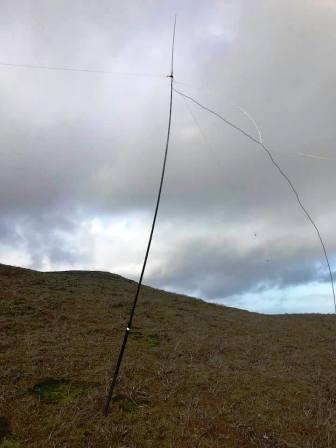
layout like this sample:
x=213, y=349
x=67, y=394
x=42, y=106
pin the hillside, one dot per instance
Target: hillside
x=194, y=374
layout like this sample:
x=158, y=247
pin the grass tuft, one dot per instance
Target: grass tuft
x=128, y=405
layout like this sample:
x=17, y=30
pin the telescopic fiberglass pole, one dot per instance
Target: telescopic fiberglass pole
x=130, y=320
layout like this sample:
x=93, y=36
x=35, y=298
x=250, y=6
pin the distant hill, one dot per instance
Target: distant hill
x=194, y=375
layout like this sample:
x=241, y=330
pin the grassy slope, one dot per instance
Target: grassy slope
x=194, y=375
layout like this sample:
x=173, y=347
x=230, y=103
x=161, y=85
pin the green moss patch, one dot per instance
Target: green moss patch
x=118, y=304
x=9, y=444
x=147, y=340
x=61, y=391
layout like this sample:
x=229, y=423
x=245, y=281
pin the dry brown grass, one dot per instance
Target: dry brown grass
x=194, y=375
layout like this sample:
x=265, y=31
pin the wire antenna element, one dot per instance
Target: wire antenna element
x=283, y=174
x=74, y=69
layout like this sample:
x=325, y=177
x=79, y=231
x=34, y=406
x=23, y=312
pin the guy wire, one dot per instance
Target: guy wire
x=283, y=174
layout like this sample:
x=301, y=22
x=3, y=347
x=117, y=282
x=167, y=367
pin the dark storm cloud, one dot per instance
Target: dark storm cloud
x=75, y=146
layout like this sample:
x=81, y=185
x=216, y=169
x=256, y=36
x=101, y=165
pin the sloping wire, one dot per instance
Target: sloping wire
x=253, y=121
x=283, y=174
x=206, y=141
x=316, y=156
x=73, y=69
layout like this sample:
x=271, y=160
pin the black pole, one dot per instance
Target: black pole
x=129, y=325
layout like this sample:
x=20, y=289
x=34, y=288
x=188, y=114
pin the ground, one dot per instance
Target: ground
x=194, y=374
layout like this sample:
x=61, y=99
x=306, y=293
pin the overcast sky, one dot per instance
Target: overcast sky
x=81, y=152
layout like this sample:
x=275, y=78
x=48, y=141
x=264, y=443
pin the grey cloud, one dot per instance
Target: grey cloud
x=78, y=145
x=216, y=268
x=45, y=237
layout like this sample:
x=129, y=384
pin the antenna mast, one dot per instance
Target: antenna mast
x=130, y=320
